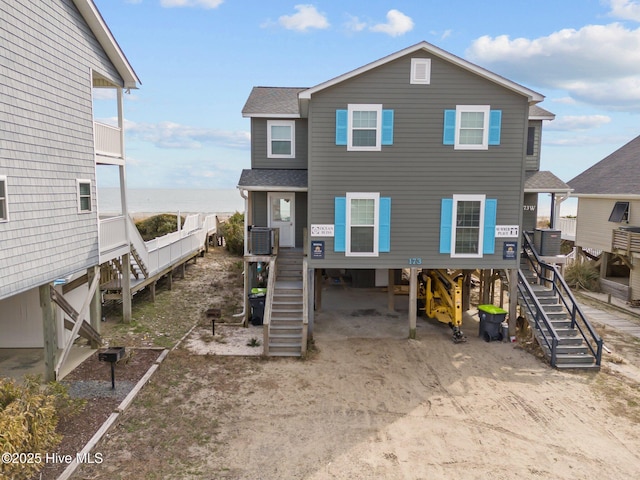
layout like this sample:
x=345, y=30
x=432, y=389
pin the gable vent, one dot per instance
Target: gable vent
x=421, y=71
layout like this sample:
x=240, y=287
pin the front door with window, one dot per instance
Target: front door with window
x=281, y=216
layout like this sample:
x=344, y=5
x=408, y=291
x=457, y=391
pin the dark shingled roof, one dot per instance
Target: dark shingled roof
x=544, y=181
x=619, y=173
x=272, y=100
x=264, y=178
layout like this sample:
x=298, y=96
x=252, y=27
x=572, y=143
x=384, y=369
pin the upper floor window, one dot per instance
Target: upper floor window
x=472, y=127
x=84, y=195
x=364, y=127
x=4, y=210
x=281, y=138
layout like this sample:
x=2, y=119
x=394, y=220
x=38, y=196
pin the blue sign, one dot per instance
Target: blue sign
x=317, y=249
x=510, y=251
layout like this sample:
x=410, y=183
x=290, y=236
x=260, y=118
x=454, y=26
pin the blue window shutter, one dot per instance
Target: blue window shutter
x=495, y=123
x=342, y=119
x=340, y=224
x=449, y=135
x=387, y=127
x=446, y=219
x=384, y=227
x=489, y=240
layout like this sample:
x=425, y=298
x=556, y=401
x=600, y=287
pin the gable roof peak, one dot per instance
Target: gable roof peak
x=532, y=96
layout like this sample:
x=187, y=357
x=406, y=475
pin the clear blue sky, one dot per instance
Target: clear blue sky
x=199, y=59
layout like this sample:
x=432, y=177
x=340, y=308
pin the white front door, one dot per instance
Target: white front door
x=281, y=215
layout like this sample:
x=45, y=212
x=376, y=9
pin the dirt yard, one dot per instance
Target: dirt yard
x=368, y=403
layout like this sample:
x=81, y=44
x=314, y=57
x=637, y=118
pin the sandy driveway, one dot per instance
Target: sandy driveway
x=371, y=404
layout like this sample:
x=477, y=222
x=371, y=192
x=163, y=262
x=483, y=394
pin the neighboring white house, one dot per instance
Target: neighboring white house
x=609, y=219
x=54, y=55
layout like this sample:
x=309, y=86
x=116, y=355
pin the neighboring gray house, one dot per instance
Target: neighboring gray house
x=416, y=160
x=609, y=219
x=54, y=54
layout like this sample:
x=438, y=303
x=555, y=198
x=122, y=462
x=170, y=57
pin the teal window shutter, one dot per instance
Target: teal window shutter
x=340, y=224
x=449, y=134
x=495, y=123
x=387, y=127
x=384, y=229
x=489, y=239
x=446, y=219
x=342, y=120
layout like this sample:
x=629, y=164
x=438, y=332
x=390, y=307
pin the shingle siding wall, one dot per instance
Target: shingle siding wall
x=46, y=141
x=259, y=147
x=417, y=171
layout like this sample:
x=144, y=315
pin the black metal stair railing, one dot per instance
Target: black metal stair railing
x=549, y=276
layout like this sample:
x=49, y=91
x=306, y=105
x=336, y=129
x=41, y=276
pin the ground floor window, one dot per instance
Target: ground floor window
x=362, y=224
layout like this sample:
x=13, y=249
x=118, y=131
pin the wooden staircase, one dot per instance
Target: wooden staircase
x=286, y=327
x=557, y=321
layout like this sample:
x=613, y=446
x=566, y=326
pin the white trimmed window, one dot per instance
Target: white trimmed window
x=420, y=71
x=84, y=195
x=281, y=136
x=363, y=211
x=468, y=226
x=4, y=204
x=365, y=127
x=472, y=132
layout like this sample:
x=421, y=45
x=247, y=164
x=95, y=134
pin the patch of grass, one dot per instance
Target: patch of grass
x=254, y=342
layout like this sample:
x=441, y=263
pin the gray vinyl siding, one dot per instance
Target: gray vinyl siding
x=46, y=141
x=417, y=171
x=533, y=161
x=259, y=146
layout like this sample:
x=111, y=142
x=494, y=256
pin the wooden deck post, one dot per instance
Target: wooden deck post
x=317, y=289
x=95, y=308
x=513, y=299
x=49, y=331
x=126, y=288
x=152, y=290
x=413, y=299
x=170, y=280
x=391, y=297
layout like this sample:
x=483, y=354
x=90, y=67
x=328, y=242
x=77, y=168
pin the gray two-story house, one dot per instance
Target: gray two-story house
x=415, y=161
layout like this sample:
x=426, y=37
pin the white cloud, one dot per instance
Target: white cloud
x=191, y=3
x=625, y=9
x=577, y=122
x=354, y=24
x=397, y=24
x=307, y=17
x=598, y=64
x=174, y=135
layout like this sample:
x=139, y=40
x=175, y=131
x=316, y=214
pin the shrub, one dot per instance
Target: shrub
x=233, y=232
x=582, y=275
x=28, y=419
x=158, y=225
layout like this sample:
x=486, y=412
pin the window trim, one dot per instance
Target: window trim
x=460, y=109
x=454, y=228
x=415, y=63
x=83, y=181
x=376, y=223
x=281, y=123
x=5, y=200
x=364, y=107
x=623, y=216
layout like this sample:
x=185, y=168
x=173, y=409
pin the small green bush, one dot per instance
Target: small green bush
x=28, y=418
x=582, y=275
x=233, y=232
x=158, y=225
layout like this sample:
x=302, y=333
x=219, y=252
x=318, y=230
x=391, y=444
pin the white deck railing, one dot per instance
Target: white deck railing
x=108, y=140
x=162, y=252
x=567, y=227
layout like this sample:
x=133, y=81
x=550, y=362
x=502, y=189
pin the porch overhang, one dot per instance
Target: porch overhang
x=545, y=182
x=271, y=180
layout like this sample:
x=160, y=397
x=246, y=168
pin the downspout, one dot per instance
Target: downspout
x=244, y=194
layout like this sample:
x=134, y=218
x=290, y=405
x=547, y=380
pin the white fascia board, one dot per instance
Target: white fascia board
x=259, y=188
x=101, y=30
x=533, y=97
x=542, y=117
x=270, y=115
x=549, y=190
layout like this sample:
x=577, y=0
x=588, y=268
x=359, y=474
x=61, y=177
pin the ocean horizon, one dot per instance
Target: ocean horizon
x=171, y=200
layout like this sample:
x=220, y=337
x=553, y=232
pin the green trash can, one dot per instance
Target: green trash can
x=491, y=318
